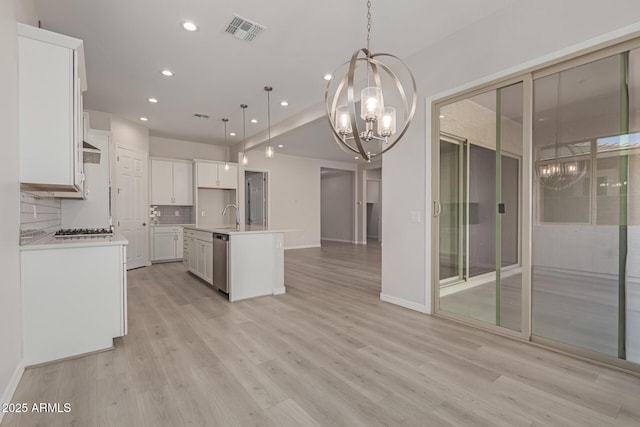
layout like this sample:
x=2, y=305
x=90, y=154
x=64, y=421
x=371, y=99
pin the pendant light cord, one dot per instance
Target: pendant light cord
x=244, y=129
x=368, y=24
x=559, y=105
x=269, y=115
x=225, y=130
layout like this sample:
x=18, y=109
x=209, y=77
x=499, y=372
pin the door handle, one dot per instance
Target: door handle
x=144, y=224
x=437, y=208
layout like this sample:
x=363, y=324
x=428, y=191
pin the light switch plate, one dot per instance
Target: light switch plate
x=177, y=213
x=415, y=217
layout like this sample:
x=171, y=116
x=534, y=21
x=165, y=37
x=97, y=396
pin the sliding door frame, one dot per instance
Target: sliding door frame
x=587, y=52
x=524, y=216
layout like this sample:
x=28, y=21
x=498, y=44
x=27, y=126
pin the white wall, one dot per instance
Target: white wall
x=130, y=135
x=510, y=40
x=294, y=194
x=337, y=206
x=212, y=203
x=10, y=315
x=99, y=120
x=186, y=150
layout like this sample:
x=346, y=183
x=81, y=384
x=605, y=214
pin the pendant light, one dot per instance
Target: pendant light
x=226, y=164
x=245, y=159
x=269, y=152
x=379, y=134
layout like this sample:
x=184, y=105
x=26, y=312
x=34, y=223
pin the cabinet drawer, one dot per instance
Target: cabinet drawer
x=167, y=229
x=205, y=236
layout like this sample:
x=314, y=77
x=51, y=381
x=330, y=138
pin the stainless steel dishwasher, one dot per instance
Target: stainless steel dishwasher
x=220, y=263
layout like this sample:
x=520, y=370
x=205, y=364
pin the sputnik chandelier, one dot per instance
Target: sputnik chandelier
x=374, y=131
x=559, y=166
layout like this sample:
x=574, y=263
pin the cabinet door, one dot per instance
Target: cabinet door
x=161, y=182
x=183, y=183
x=45, y=113
x=208, y=259
x=193, y=255
x=207, y=175
x=164, y=246
x=201, y=258
x=179, y=245
x=228, y=178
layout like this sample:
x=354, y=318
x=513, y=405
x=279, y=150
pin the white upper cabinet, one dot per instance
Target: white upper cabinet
x=51, y=79
x=217, y=175
x=161, y=182
x=183, y=183
x=171, y=182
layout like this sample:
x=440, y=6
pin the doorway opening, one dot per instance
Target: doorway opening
x=373, y=214
x=256, y=198
x=337, y=205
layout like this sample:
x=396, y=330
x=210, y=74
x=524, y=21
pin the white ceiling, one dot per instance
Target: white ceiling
x=128, y=42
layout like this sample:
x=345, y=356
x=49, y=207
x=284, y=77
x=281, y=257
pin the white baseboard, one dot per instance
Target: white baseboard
x=279, y=291
x=405, y=303
x=301, y=247
x=12, y=386
x=338, y=240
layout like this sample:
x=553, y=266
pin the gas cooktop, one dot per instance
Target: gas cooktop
x=83, y=232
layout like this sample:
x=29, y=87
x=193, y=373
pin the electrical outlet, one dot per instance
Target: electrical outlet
x=177, y=213
x=35, y=213
x=202, y=213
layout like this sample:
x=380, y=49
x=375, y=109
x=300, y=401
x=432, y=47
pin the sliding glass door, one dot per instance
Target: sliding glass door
x=478, y=209
x=585, y=289
x=536, y=215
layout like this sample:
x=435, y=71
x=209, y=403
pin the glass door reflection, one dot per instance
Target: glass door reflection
x=479, y=208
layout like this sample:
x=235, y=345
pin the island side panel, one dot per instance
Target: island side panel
x=278, y=273
x=252, y=265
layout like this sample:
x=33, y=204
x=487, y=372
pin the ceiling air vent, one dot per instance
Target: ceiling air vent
x=200, y=116
x=243, y=29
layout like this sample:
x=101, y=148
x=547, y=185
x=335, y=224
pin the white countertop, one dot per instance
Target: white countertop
x=244, y=229
x=51, y=242
x=171, y=225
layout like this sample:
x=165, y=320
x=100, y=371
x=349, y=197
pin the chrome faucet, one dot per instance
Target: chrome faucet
x=224, y=212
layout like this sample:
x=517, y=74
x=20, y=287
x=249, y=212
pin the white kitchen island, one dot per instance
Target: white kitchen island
x=255, y=259
x=74, y=296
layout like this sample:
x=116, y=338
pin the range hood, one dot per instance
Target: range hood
x=90, y=154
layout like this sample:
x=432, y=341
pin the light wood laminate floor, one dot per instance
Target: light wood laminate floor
x=327, y=353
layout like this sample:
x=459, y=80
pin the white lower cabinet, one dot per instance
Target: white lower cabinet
x=74, y=299
x=166, y=243
x=199, y=254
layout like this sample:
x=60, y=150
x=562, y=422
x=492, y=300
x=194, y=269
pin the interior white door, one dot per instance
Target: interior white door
x=131, y=204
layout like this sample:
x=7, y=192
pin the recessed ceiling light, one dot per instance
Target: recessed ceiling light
x=542, y=119
x=189, y=26
x=328, y=77
x=442, y=116
x=254, y=120
x=167, y=73
x=153, y=100
x=144, y=119
x=284, y=103
x=356, y=158
x=280, y=146
x=232, y=134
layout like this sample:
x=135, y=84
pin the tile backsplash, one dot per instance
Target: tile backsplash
x=40, y=214
x=167, y=214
